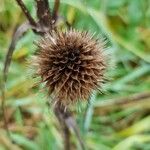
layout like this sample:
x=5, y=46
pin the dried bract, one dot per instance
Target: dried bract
x=72, y=64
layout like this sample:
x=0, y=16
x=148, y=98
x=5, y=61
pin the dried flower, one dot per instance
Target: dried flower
x=72, y=64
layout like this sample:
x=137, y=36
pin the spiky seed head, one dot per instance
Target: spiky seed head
x=71, y=64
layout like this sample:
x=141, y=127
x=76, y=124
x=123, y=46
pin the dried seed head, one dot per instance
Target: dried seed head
x=72, y=65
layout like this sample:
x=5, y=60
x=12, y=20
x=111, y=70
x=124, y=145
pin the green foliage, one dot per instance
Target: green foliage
x=126, y=26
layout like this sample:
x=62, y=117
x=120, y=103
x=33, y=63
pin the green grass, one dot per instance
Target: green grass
x=104, y=124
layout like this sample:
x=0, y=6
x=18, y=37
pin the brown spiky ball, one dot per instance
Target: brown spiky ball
x=71, y=63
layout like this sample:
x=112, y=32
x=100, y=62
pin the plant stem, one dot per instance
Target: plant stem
x=56, y=8
x=61, y=116
x=67, y=142
x=67, y=122
x=26, y=12
x=43, y=13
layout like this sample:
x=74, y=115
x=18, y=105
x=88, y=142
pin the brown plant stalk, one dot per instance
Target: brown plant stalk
x=43, y=25
x=61, y=115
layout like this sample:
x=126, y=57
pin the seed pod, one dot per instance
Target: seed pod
x=72, y=65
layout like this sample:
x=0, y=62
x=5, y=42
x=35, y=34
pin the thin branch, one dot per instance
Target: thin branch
x=17, y=34
x=43, y=13
x=26, y=12
x=67, y=138
x=60, y=114
x=71, y=123
x=67, y=122
x=56, y=8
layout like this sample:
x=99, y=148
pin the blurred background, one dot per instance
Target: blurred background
x=118, y=119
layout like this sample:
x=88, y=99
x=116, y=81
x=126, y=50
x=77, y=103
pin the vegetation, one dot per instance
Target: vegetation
x=118, y=119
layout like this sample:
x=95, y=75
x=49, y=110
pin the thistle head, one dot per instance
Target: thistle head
x=72, y=65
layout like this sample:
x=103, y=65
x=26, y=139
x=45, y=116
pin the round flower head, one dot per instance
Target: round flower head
x=71, y=64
